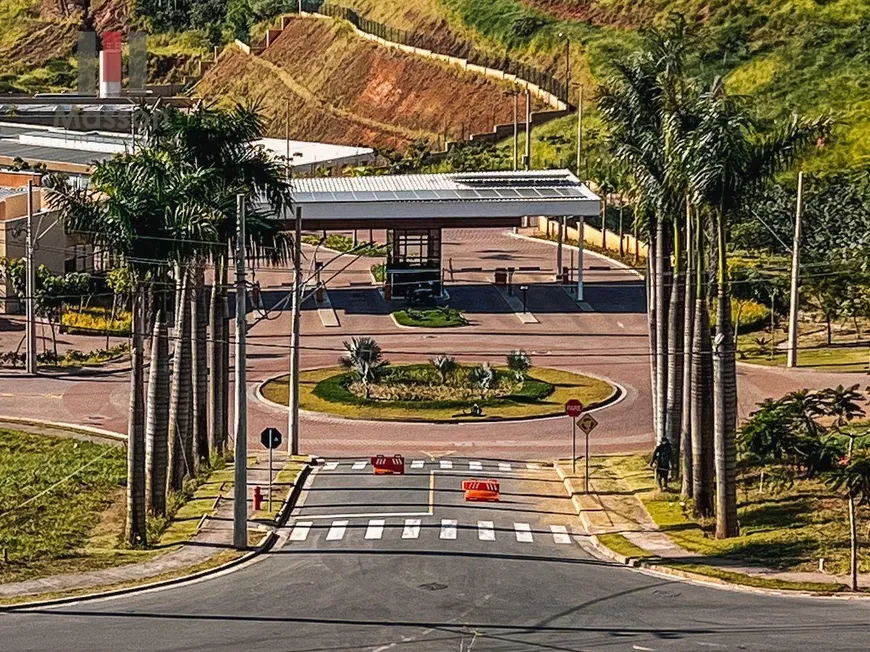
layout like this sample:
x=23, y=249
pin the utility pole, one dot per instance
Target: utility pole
x=560, y=224
x=516, y=129
x=30, y=286
x=293, y=389
x=240, y=492
x=580, y=226
x=527, y=159
x=579, y=129
x=794, y=297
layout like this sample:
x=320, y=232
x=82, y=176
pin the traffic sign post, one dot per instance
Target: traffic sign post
x=573, y=408
x=271, y=439
x=587, y=425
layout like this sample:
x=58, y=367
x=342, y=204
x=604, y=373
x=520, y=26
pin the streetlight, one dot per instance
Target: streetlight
x=524, y=289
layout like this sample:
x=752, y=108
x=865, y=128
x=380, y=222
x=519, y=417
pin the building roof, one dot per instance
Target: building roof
x=8, y=192
x=431, y=196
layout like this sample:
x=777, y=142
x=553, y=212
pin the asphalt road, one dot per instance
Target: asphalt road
x=403, y=563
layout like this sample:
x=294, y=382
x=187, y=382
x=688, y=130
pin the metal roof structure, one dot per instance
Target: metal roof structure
x=551, y=193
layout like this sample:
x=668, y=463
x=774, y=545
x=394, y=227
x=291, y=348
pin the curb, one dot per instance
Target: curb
x=266, y=544
x=88, y=430
x=616, y=396
x=659, y=569
x=586, y=251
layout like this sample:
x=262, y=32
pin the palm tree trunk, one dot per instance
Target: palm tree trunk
x=135, y=530
x=702, y=412
x=216, y=360
x=674, y=409
x=180, y=395
x=157, y=428
x=621, y=228
x=661, y=282
x=651, y=326
x=604, y=221
x=199, y=364
x=688, y=333
x=725, y=399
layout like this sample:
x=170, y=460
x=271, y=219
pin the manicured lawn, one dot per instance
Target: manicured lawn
x=342, y=243
x=846, y=354
x=790, y=530
x=71, y=486
x=435, y=318
x=321, y=390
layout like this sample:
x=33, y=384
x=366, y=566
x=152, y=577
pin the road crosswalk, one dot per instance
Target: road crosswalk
x=377, y=529
x=443, y=464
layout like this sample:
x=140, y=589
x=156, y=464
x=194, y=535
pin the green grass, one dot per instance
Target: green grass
x=344, y=244
x=435, y=318
x=282, y=483
x=52, y=532
x=845, y=355
x=379, y=272
x=787, y=531
x=322, y=390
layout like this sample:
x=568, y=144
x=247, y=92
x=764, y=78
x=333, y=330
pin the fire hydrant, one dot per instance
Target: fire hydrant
x=258, y=498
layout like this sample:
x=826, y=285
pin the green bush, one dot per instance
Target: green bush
x=753, y=315
x=95, y=321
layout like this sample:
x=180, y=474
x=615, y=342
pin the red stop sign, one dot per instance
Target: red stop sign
x=573, y=408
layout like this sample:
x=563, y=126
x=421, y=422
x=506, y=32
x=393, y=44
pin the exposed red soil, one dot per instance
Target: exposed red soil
x=344, y=89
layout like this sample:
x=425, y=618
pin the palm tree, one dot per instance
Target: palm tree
x=519, y=363
x=157, y=425
x=445, y=365
x=733, y=157
x=365, y=358
x=135, y=203
x=223, y=143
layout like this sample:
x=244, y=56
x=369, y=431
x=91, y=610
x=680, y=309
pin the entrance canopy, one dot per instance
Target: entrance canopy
x=476, y=199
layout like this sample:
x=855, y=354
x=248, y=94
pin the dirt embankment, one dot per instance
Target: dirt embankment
x=341, y=88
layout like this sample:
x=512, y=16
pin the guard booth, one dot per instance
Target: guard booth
x=414, y=208
x=413, y=260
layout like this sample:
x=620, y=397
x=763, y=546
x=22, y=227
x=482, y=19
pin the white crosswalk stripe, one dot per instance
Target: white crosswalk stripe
x=485, y=531
x=475, y=466
x=358, y=465
x=523, y=532
x=533, y=466
x=411, y=529
x=336, y=531
x=504, y=466
x=300, y=531
x=330, y=466
x=446, y=464
x=417, y=464
x=560, y=534
x=375, y=529
x=448, y=528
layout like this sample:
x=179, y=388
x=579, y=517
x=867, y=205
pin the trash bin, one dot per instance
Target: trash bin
x=500, y=276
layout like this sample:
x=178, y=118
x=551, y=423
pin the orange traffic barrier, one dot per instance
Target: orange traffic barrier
x=383, y=465
x=481, y=490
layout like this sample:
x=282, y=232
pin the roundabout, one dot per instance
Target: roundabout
x=412, y=392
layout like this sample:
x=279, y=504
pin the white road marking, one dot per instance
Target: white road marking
x=446, y=464
x=475, y=466
x=330, y=466
x=560, y=534
x=640, y=647
x=524, y=532
x=411, y=529
x=300, y=531
x=358, y=465
x=336, y=532
x=485, y=531
x=504, y=466
x=375, y=530
x=533, y=465
x=448, y=528
x=417, y=464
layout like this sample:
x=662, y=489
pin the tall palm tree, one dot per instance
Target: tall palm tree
x=134, y=203
x=734, y=156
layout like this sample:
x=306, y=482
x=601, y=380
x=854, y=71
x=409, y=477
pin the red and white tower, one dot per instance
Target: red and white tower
x=110, y=65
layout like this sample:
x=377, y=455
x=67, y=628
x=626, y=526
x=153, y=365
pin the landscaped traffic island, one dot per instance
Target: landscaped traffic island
x=434, y=318
x=442, y=390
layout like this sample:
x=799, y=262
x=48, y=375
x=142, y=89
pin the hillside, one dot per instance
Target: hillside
x=341, y=88
x=807, y=56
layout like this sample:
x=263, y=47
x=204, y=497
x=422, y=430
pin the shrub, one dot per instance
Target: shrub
x=95, y=321
x=746, y=316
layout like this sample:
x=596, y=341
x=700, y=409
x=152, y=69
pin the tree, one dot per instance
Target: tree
x=482, y=377
x=365, y=359
x=519, y=363
x=445, y=365
x=853, y=476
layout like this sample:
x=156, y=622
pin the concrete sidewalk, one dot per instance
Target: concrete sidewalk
x=213, y=541
x=611, y=507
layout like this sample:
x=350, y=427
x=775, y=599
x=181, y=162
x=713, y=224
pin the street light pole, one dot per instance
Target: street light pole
x=293, y=389
x=30, y=286
x=527, y=159
x=240, y=493
x=581, y=224
x=524, y=289
x=516, y=129
x=579, y=129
